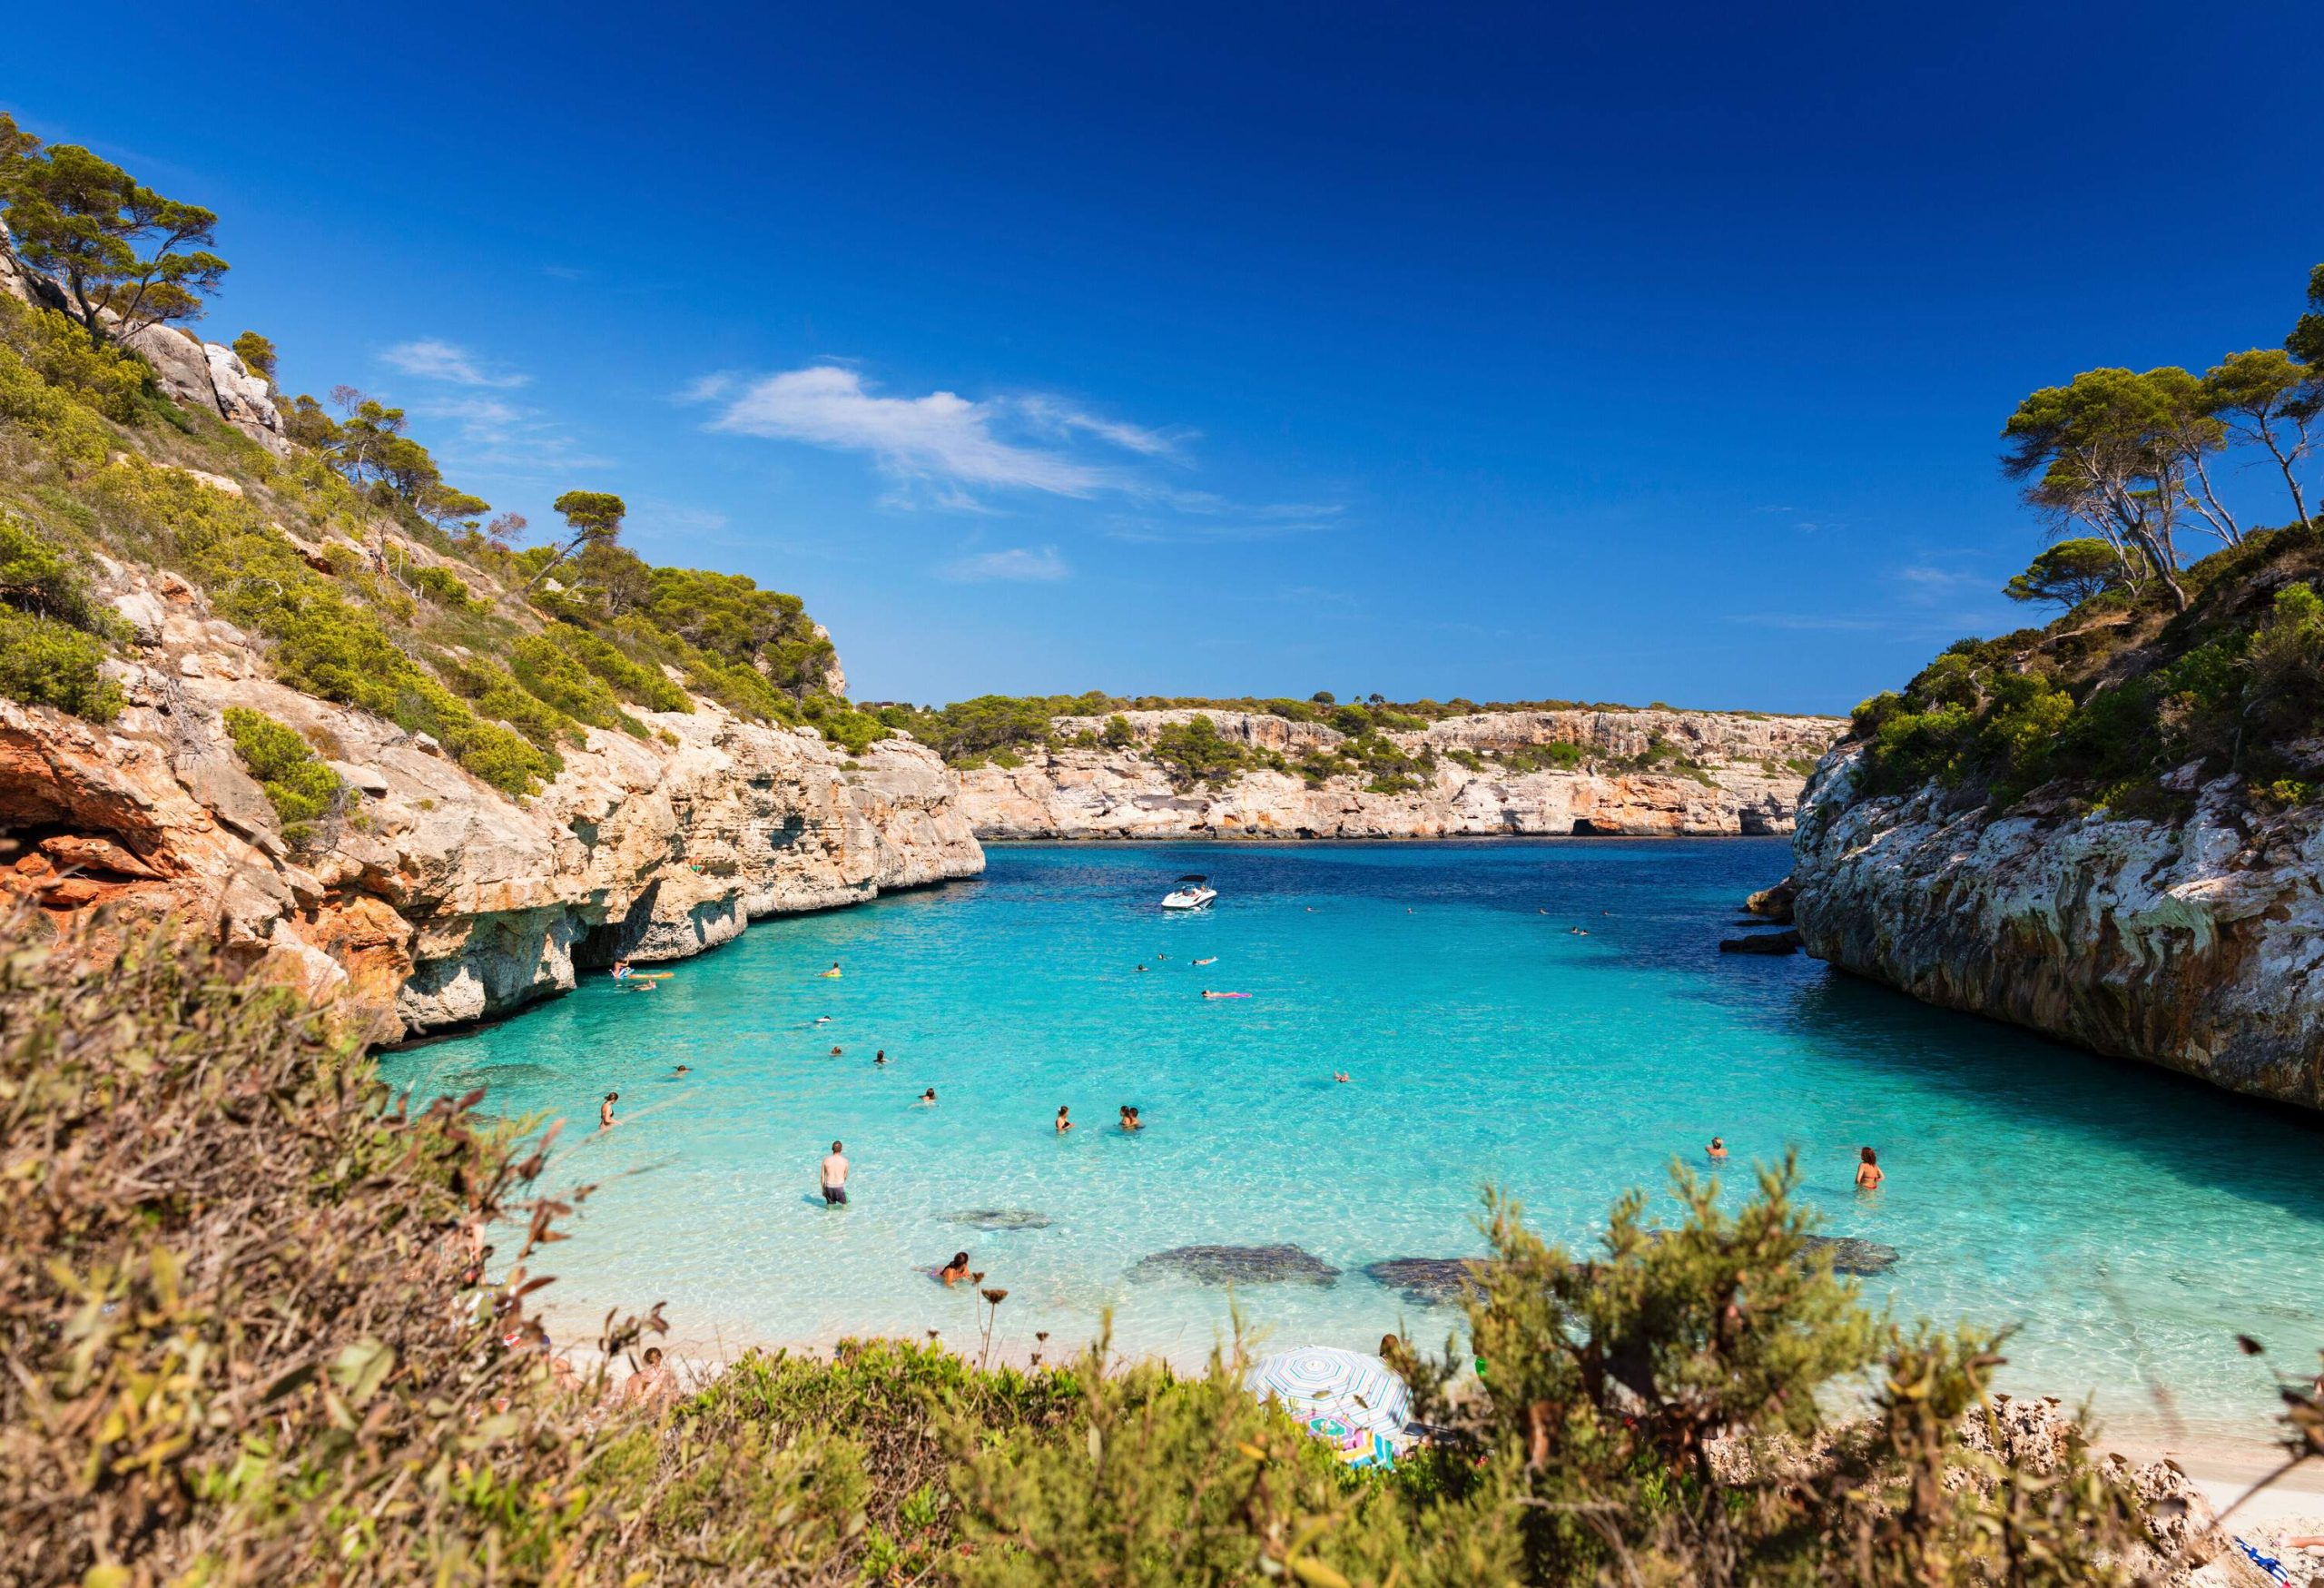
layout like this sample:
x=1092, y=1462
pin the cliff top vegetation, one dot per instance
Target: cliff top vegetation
x=2161, y=673
x=369, y=578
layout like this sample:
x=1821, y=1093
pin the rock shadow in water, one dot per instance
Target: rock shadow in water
x=999, y=1218
x=1851, y=1256
x=1236, y=1265
x=1430, y=1281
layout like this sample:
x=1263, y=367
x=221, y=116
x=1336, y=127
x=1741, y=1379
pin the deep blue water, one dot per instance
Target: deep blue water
x=2125, y=1221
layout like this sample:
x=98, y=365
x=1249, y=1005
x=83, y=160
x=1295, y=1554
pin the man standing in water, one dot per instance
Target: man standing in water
x=835, y=1177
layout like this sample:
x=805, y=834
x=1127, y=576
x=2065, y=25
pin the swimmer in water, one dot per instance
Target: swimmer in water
x=683, y=1070
x=1141, y=967
x=881, y=1057
x=1130, y=1122
x=1869, y=1173
x=928, y=1098
x=605, y=1121
x=834, y=1050
x=953, y=1272
x=831, y=973
x=822, y=1019
x=1212, y=961
x=1063, y=1124
x=1342, y=1076
x=1719, y=1150
x=621, y=970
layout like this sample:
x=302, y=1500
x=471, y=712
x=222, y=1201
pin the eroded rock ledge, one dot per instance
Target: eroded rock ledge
x=2195, y=945
x=434, y=899
x=1745, y=784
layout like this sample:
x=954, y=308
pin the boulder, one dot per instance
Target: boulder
x=245, y=400
x=179, y=362
x=1785, y=942
x=1236, y=1265
x=1774, y=903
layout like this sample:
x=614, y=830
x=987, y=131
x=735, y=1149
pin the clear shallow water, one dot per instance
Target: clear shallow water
x=2126, y=1221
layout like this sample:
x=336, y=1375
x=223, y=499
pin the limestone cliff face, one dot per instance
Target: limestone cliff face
x=2198, y=945
x=432, y=899
x=1745, y=785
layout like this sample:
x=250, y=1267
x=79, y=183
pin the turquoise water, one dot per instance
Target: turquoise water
x=2128, y=1222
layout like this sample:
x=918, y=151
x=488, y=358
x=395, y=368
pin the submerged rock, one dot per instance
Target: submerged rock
x=1774, y=903
x=1430, y=1281
x=1851, y=1256
x=1785, y=942
x=1001, y=1218
x=1237, y=1264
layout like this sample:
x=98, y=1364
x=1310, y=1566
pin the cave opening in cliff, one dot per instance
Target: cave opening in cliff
x=1583, y=827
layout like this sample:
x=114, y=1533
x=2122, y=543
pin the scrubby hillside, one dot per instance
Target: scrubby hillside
x=248, y=641
x=2111, y=828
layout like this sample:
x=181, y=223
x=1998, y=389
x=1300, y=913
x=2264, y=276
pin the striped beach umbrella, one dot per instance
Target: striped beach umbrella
x=1356, y=1401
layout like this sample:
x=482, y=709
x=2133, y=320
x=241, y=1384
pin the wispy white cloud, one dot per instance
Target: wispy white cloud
x=941, y=437
x=1024, y=564
x=433, y=358
x=1061, y=418
x=493, y=433
x=1205, y=519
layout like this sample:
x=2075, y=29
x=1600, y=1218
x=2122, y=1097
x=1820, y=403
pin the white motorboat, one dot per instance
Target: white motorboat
x=1191, y=894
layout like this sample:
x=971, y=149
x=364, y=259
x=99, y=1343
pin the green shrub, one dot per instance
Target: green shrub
x=495, y=693
x=446, y=588
x=300, y=786
x=97, y=375
x=43, y=662
x=38, y=576
x=640, y=685
x=63, y=431
x=555, y=675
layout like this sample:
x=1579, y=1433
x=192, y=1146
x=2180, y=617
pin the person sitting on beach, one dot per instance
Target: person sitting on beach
x=1869, y=1174
x=953, y=1272
x=1063, y=1124
x=928, y=1098
x=653, y=1383
x=605, y=1121
x=1130, y=1122
x=835, y=1179
x=1718, y=1150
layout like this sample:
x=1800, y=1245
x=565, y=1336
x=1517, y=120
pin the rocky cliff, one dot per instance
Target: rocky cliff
x=2195, y=943
x=1642, y=773
x=432, y=899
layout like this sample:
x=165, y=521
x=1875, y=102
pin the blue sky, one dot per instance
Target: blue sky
x=1610, y=354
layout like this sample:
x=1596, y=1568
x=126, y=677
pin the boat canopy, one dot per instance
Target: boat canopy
x=1194, y=878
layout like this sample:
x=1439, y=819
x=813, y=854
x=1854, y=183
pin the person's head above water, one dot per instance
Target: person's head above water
x=1869, y=1156
x=930, y=1094
x=960, y=1260
x=835, y=1147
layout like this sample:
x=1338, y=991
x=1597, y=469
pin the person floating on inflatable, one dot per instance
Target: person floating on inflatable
x=1207, y=993
x=625, y=977
x=831, y=974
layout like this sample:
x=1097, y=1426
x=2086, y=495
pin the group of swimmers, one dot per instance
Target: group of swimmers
x=1129, y=1118
x=1868, y=1172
